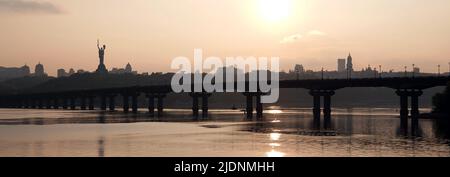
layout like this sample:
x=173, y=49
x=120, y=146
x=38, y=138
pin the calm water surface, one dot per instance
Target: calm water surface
x=283, y=132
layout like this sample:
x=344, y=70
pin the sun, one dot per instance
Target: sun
x=275, y=10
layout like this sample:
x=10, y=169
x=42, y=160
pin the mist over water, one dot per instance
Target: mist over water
x=282, y=132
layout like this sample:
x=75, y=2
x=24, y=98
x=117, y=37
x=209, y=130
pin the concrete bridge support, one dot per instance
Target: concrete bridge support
x=195, y=103
x=64, y=103
x=205, y=104
x=160, y=105
x=48, y=103
x=415, y=109
x=259, y=106
x=327, y=109
x=103, y=102
x=55, y=103
x=83, y=103
x=404, y=94
x=125, y=103
x=19, y=104
x=12, y=103
x=195, y=108
x=249, y=104
x=91, y=102
x=40, y=103
x=16, y=104
x=112, y=100
x=134, y=102
x=326, y=94
x=151, y=103
x=33, y=103
x=26, y=103
x=72, y=103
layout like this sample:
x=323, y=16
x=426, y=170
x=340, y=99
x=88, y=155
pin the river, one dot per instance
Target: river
x=353, y=132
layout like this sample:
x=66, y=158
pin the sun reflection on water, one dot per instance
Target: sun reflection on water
x=275, y=121
x=274, y=144
x=274, y=111
x=274, y=153
x=275, y=136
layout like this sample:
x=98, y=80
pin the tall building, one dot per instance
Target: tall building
x=341, y=65
x=349, y=62
x=128, y=68
x=71, y=71
x=61, y=73
x=299, y=68
x=25, y=70
x=39, y=70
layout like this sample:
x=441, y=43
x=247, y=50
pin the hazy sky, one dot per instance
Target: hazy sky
x=150, y=33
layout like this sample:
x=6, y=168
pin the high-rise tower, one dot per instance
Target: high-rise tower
x=349, y=62
x=341, y=65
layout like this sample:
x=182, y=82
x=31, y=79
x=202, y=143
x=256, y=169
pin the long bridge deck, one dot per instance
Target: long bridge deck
x=67, y=99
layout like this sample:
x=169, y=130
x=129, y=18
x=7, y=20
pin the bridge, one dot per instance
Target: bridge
x=404, y=87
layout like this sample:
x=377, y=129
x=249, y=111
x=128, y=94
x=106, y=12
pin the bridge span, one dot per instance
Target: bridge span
x=404, y=87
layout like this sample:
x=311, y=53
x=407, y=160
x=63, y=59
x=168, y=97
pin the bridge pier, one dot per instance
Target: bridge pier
x=17, y=104
x=259, y=106
x=25, y=103
x=40, y=103
x=415, y=109
x=205, y=104
x=64, y=103
x=48, y=104
x=125, y=103
x=195, y=103
x=134, y=102
x=195, y=108
x=326, y=94
x=404, y=94
x=160, y=105
x=316, y=109
x=403, y=111
x=327, y=110
x=103, y=102
x=13, y=104
x=249, y=104
x=112, y=99
x=33, y=103
x=151, y=103
x=20, y=104
x=91, y=100
x=72, y=103
x=55, y=103
x=83, y=103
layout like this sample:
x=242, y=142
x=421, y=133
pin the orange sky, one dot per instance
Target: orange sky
x=150, y=33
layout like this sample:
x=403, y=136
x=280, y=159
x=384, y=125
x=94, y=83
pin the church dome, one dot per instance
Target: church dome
x=128, y=68
x=39, y=69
